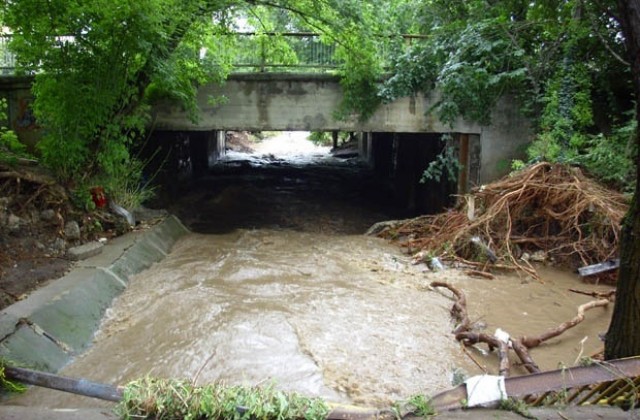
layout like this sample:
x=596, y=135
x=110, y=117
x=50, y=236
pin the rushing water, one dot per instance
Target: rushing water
x=280, y=286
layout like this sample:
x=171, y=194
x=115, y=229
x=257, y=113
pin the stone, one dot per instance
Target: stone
x=85, y=251
x=539, y=256
x=48, y=215
x=58, y=246
x=72, y=230
x=14, y=222
x=145, y=214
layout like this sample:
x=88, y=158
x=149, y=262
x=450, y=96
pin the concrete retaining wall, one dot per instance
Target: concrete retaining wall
x=58, y=321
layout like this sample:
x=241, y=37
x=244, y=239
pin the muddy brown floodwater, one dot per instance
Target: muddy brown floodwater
x=280, y=286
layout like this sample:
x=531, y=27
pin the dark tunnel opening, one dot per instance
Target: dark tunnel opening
x=367, y=178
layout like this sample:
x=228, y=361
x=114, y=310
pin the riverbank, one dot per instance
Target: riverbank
x=57, y=322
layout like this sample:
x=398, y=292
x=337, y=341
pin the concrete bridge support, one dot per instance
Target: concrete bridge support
x=205, y=148
x=175, y=156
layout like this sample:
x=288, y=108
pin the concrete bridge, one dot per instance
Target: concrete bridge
x=398, y=141
x=268, y=101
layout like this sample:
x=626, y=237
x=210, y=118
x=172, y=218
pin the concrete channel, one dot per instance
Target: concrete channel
x=57, y=322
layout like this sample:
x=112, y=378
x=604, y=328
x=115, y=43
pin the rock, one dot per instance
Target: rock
x=14, y=222
x=144, y=214
x=539, y=256
x=4, y=202
x=435, y=264
x=121, y=211
x=72, y=230
x=85, y=251
x=58, y=246
x=48, y=215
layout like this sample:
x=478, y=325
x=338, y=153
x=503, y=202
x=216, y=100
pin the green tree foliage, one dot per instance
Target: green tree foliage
x=562, y=60
x=93, y=63
x=99, y=64
x=10, y=147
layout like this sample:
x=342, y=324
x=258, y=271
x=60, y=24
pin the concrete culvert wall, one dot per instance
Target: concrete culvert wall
x=57, y=322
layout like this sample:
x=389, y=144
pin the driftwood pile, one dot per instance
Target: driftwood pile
x=546, y=208
x=30, y=185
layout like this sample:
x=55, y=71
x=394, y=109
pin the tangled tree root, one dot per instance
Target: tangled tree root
x=502, y=341
x=547, y=207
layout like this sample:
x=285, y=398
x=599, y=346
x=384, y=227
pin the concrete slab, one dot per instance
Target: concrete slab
x=85, y=251
x=58, y=321
x=73, y=316
x=26, y=347
x=37, y=413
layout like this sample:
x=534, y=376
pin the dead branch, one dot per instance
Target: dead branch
x=531, y=342
x=521, y=345
x=600, y=295
x=473, y=359
x=481, y=274
x=469, y=338
x=459, y=308
x=523, y=353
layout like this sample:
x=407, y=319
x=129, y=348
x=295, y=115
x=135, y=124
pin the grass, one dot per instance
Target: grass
x=6, y=384
x=175, y=399
x=417, y=405
x=516, y=406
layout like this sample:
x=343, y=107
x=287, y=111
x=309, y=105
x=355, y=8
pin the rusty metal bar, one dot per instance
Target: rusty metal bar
x=629, y=386
x=541, y=385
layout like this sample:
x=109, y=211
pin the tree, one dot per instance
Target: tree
x=99, y=64
x=623, y=337
x=562, y=60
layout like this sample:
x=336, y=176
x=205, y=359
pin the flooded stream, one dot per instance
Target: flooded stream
x=278, y=285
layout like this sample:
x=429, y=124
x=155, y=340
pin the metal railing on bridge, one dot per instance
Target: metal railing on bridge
x=267, y=52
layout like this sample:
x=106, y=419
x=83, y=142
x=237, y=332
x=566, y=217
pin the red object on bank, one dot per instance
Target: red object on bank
x=99, y=197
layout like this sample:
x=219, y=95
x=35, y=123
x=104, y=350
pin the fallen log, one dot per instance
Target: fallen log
x=526, y=359
x=469, y=338
x=481, y=274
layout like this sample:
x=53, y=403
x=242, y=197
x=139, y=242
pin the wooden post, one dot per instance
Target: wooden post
x=334, y=135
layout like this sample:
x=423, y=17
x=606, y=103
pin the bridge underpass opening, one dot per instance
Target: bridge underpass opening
x=385, y=168
x=286, y=181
